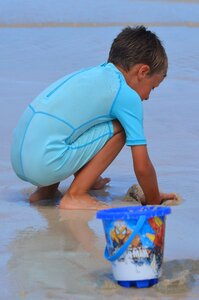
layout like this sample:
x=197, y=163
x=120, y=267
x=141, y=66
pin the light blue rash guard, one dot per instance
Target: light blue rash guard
x=73, y=114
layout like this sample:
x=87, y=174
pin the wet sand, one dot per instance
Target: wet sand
x=46, y=253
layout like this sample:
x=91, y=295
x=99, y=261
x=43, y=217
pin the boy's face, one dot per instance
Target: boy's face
x=140, y=80
x=147, y=84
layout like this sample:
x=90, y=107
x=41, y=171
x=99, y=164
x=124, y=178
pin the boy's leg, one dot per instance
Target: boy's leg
x=77, y=196
x=51, y=191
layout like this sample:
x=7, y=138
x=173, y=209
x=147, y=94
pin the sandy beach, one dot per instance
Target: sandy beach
x=48, y=253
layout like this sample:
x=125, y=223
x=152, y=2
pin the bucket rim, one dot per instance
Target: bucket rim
x=133, y=212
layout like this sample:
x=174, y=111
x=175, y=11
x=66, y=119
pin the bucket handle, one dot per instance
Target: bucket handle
x=122, y=249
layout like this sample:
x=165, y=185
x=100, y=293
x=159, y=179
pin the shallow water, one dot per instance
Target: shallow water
x=46, y=253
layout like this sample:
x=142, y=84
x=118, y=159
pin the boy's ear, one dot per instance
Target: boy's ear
x=143, y=71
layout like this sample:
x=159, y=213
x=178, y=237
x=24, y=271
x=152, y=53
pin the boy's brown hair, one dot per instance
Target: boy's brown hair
x=136, y=45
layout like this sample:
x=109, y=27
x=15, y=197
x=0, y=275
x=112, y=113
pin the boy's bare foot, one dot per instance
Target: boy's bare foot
x=81, y=202
x=100, y=183
x=43, y=193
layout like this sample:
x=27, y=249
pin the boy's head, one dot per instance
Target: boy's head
x=141, y=57
x=138, y=45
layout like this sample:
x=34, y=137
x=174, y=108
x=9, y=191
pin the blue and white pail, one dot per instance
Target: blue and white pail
x=135, y=243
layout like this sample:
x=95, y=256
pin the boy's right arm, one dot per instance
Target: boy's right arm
x=146, y=174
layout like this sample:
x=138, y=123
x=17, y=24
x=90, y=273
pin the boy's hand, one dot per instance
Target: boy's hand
x=164, y=197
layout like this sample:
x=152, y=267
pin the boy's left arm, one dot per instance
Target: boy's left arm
x=146, y=176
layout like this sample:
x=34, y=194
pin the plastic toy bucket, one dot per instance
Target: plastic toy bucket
x=135, y=243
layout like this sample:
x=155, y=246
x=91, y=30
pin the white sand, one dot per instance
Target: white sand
x=50, y=254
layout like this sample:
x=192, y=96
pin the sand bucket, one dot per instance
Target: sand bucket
x=135, y=243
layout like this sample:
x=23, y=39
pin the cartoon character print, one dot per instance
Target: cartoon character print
x=157, y=238
x=146, y=247
x=120, y=234
x=158, y=226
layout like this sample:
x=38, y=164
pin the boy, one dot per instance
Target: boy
x=79, y=124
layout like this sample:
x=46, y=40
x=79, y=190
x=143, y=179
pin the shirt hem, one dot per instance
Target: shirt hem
x=136, y=142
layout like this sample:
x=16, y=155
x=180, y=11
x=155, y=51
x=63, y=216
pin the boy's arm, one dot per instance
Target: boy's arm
x=146, y=174
x=146, y=177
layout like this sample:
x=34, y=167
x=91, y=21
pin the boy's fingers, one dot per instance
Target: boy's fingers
x=170, y=196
